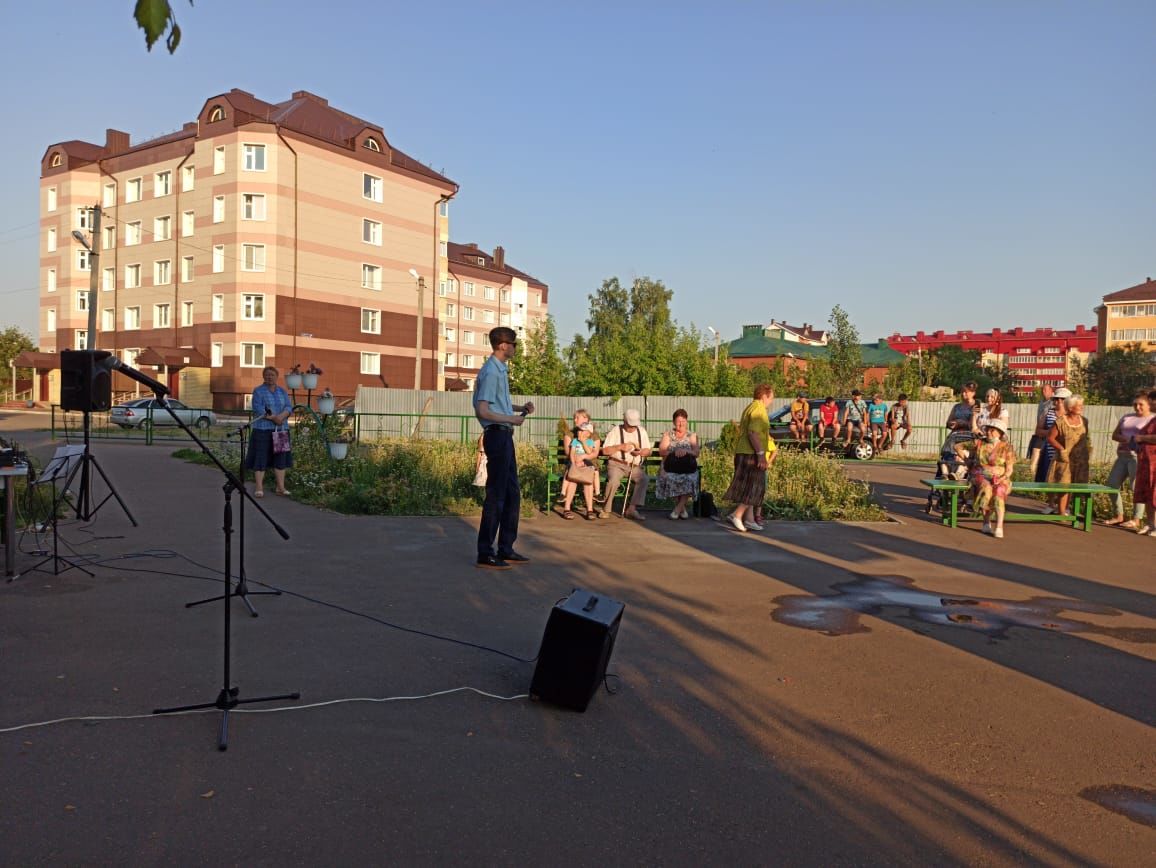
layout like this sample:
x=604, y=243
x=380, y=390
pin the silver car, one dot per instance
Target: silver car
x=135, y=414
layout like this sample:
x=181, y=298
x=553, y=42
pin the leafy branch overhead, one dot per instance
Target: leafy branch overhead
x=156, y=18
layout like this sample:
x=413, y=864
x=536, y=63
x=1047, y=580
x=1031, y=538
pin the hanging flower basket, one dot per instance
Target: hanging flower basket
x=325, y=406
x=310, y=380
x=338, y=451
x=293, y=381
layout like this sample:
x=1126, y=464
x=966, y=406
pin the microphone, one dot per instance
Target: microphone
x=115, y=364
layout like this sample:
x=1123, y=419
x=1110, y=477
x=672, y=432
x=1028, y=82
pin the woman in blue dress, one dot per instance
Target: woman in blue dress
x=271, y=411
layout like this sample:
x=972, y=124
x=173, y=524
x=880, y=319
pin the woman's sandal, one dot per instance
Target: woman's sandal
x=258, y=493
x=1130, y=524
x=1112, y=522
x=591, y=516
x=568, y=515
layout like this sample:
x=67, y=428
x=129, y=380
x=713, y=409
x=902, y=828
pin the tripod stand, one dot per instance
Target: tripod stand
x=63, y=465
x=84, y=508
x=227, y=699
x=241, y=589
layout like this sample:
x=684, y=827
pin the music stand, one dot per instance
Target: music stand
x=65, y=463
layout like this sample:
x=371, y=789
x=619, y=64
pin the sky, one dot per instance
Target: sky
x=925, y=165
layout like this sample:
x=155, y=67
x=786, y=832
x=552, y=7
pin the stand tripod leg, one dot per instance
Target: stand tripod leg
x=241, y=591
x=226, y=700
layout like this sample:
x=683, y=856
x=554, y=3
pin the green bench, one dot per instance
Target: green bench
x=556, y=473
x=1081, y=492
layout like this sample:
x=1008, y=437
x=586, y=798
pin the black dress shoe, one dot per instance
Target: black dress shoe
x=489, y=562
x=513, y=558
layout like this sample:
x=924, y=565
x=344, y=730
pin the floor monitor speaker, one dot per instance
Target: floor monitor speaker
x=576, y=649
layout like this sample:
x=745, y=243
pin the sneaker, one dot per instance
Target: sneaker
x=998, y=533
x=675, y=516
x=753, y=525
x=489, y=562
x=986, y=528
x=737, y=523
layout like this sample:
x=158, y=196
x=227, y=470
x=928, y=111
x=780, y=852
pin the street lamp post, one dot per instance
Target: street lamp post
x=420, y=316
x=93, y=273
x=717, y=338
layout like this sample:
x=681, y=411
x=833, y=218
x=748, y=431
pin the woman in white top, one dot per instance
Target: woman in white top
x=992, y=408
x=1124, y=470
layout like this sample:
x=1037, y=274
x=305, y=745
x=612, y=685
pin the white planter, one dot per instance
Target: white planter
x=293, y=381
x=338, y=451
x=310, y=380
x=325, y=405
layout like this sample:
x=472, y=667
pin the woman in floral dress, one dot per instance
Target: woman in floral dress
x=991, y=475
x=679, y=477
x=1069, y=437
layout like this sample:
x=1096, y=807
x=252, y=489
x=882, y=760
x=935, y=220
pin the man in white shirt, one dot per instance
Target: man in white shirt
x=627, y=445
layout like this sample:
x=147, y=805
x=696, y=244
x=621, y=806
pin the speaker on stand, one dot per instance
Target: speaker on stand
x=576, y=649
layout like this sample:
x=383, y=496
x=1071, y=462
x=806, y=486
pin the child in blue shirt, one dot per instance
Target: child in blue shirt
x=877, y=415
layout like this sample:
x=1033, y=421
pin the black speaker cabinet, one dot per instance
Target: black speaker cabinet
x=85, y=383
x=576, y=648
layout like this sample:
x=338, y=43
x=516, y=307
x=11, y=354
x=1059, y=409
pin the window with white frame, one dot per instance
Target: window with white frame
x=82, y=300
x=50, y=280
x=108, y=319
x=218, y=258
x=50, y=240
x=444, y=208
x=370, y=321
x=252, y=257
x=82, y=260
x=50, y=205
x=108, y=280
x=50, y=319
x=162, y=272
x=371, y=363
x=108, y=199
x=467, y=337
x=538, y=299
x=487, y=316
x=187, y=269
x=108, y=237
x=217, y=356
x=252, y=355
x=504, y=319
x=162, y=316
x=81, y=342
x=371, y=232
x=468, y=289
x=85, y=218
x=451, y=360
x=442, y=289
x=162, y=228
x=130, y=355
x=219, y=160
x=451, y=309
x=451, y=334
x=467, y=313
x=218, y=307
x=132, y=317
x=371, y=187
x=505, y=295
x=188, y=223
x=252, y=206
x=132, y=233
x=187, y=308
x=489, y=293
x=132, y=276
x=218, y=209
x=188, y=178
x=132, y=189
x=467, y=360
x=252, y=306
x=371, y=276
x=163, y=184
x=442, y=249
x=254, y=158
x=372, y=145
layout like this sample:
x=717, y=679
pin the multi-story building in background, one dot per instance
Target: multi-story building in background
x=1036, y=357
x=1129, y=317
x=261, y=233
x=481, y=292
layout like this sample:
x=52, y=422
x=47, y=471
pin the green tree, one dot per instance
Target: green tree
x=13, y=341
x=538, y=369
x=156, y=18
x=903, y=377
x=1117, y=374
x=954, y=365
x=844, y=352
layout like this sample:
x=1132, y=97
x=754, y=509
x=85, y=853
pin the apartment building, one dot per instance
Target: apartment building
x=1129, y=317
x=260, y=233
x=482, y=291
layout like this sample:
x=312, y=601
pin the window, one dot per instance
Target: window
x=218, y=258
x=219, y=160
x=254, y=157
x=252, y=206
x=467, y=361
x=218, y=307
x=252, y=306
x=132, y=190
x=444, y=208
x=467, y=337
x=468, y=289
x=370, y=321
x=163, y=184
x=371, y=363
x=50, y=319
x=188, y=178
x=132, y=233
x=442, y=289
x=505, y=295
x=187, y=313
x=252, y=355
x=108, y=319
x=50, y=280
x=108, y=237
x=451, y=309
x=504, y=319
x=162, y=272
x=162, y=228
x=442, y=249
x=82, y=300
x=108, y=282
x=82, y=262
x=488, y=292
x=51, y=204
x=216, y=113
x=371, y=187
x=109, y=197
x=161, y=318
x=538, y=299
x=132, y=317
x=371, y=277
x=56, y=160
x=467, y=313
x=130, y=356
x=451, y=360
x=84, y=218
x=218, y=209
x=131, y=276
x=451, y=334
x=50, y=240
x=187, y=269
x=252, y=257
x=372, y=145
x=487, y=316
x=188, y=223
x=371, y=232
x=217, y=359
x=81, y=339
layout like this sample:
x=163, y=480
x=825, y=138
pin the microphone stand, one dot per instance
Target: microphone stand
x=241, y=589
x=227, y=699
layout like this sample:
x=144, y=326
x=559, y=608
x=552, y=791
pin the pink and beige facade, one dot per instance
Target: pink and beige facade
x=1128, y=317
x=481, y=292
x=258, y=234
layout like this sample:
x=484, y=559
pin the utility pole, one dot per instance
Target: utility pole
x=93, y=277
x=420, y=318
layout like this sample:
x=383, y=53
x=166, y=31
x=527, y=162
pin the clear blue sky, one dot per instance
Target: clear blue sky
x=923, y=164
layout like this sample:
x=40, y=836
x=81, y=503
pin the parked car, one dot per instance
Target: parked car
x=135, y=414
x=781, y=433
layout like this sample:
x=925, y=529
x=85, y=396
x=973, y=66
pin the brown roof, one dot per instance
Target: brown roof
x=173, y=357
x=86, y=151
x=1145, y=291
x=468, y=254
x=40, y=361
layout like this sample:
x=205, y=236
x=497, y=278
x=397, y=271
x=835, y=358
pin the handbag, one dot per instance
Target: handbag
x=675, y=464
x=582, y=474
x=483, y=473
x=280, y=441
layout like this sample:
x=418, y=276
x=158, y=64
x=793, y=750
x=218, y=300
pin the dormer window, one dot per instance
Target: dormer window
x=216, y=113
x=481, y=260
x=55, y=161
x=372, y=145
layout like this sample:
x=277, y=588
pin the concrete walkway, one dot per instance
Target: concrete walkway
x=750, y=726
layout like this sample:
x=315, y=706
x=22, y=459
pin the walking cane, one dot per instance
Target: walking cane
x=626, y=496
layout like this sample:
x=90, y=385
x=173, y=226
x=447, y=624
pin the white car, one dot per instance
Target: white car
x=135, y=414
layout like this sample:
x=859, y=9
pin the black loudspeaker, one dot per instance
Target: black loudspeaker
x=85, y=383
x=576, y=648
